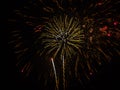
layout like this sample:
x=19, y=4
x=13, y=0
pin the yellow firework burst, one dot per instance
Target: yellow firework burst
x=62, y=38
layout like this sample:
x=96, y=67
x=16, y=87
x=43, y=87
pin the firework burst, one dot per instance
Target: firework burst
x=61, y=39
x=71, y=38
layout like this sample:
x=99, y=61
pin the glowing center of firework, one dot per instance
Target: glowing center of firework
x=62, y=37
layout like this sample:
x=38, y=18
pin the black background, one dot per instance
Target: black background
x=107, y=78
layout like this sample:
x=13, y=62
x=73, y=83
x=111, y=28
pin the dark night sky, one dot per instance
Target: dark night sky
x=107, y=78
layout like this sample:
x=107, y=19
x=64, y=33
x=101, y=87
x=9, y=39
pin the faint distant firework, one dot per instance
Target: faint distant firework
x=66, y=38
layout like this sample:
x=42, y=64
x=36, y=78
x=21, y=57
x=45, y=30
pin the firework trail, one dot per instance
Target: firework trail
x=80, y=35
x=55, y=73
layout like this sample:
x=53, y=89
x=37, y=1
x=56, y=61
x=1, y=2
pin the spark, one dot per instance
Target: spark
x=115, y=23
